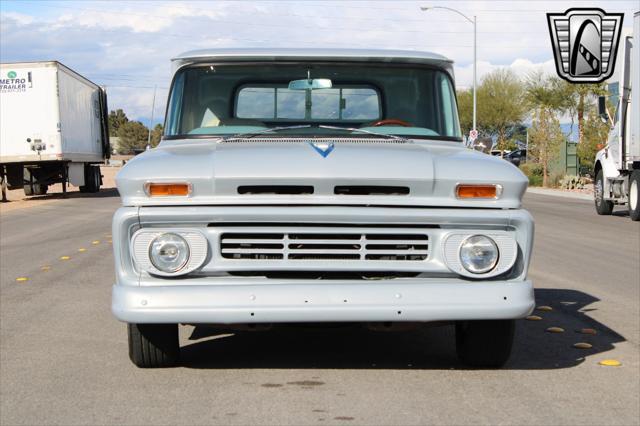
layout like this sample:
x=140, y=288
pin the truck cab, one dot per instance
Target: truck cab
x=319, y=186
x=617, y=165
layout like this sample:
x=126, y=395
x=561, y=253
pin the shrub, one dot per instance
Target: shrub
x=573, y=182
x=534, y=172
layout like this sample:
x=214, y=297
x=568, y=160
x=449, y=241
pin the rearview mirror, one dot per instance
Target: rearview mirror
x=310, y=84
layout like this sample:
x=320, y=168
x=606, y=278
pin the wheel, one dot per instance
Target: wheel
x=634, y=195
x=91, y=179
x=28, y=190
x=603, y=207
x=484, y=343
x=41, y=189
x=153, y=345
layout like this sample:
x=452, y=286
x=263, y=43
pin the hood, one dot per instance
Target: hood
x=350, y=172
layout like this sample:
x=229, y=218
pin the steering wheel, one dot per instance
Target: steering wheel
x=392, y=122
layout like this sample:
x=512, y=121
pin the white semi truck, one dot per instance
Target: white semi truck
x=53, y=128
x=617, y=165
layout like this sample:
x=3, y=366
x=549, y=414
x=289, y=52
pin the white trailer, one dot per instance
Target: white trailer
x=617, y=165
x=53, y=128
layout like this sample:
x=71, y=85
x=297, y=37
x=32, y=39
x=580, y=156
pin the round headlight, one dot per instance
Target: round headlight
x=169, y=252
x=479, y=254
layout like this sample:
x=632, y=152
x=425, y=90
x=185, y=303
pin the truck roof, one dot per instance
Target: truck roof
x=304, y=54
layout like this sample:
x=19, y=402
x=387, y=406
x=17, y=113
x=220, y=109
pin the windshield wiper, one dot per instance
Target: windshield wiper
x=261, y=132
x=355, y=129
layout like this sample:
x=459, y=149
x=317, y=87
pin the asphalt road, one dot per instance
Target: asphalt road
x=63, y=357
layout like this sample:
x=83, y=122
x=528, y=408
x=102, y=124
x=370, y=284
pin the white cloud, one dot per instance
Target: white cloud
x=129, y=43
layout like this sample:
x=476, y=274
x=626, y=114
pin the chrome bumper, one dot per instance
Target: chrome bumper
x=280, y=301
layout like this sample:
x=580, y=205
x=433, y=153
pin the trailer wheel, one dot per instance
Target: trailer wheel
x=484, y=343
x=603, y=207
x=35, y=189
x=153, y=345
x=91, y=179
x=634, y=195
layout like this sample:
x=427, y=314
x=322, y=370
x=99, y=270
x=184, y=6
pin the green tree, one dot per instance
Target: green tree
x=156, y=135
x=545, y=138
x=465, y=110
x=501, y=106
x=117, y=119
x=581, y=98
x=546, y=97
x=595, y=134
x=133, y=135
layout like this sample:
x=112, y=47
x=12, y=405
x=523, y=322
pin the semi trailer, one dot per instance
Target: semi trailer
x=617, y=165
x=53, y=128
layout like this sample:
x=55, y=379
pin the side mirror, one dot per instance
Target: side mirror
x=310, y=84
x=602, y=108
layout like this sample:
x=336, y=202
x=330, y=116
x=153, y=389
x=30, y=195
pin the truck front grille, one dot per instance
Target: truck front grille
x=294, y=246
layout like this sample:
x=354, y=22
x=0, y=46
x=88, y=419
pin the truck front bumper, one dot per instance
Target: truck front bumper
x=281, y=301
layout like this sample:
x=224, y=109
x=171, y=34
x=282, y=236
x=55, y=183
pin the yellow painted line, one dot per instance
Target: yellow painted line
x=587, y=331
x=65, y=257
x=110, y=241
x=610, y=363
x=583, y=345
x=544, y=308
x=533, y=318
x=81, y=249
x=22, y=279
x=45, y=268
x=96, y=242
x=555, y=330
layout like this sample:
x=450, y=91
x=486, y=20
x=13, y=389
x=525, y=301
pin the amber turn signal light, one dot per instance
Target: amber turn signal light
x=478, y=191
x=168, y=189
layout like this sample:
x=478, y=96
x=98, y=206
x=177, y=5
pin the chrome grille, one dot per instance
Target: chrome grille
x=293, y=246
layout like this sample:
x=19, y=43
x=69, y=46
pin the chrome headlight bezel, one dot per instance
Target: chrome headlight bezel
x=504, y=240
x=141, y=244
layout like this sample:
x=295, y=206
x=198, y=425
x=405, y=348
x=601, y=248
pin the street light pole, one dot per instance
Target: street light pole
x=475, y=50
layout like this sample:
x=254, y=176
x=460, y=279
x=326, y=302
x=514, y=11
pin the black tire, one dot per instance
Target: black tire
x=41, y=189
x=484, y=343
x=634, y=195
x=603, y=207
x=28, y=190
x=92, y=179
x=153, y=345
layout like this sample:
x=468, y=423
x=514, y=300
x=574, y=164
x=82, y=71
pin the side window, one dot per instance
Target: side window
x=449, y=120
x=175, y=106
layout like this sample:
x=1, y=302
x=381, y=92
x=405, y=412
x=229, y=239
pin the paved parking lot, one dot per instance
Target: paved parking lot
x=63, y=357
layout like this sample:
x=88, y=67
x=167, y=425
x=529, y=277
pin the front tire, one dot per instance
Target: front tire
x=153, y=345
x=485, y=343
x=634, y=195
x=603, y=207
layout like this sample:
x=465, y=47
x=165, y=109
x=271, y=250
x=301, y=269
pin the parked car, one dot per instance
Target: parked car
x=517, y=157
x=305, y=186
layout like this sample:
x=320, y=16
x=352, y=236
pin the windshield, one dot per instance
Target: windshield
x=382, y=99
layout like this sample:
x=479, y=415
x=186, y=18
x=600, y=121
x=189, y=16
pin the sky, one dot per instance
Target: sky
x=127, y=45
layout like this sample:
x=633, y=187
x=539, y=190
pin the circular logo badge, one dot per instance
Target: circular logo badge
x=12, y=74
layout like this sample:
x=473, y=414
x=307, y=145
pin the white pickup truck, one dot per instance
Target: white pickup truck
x=305, y=186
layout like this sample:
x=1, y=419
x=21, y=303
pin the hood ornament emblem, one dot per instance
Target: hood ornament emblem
x=322, y=148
